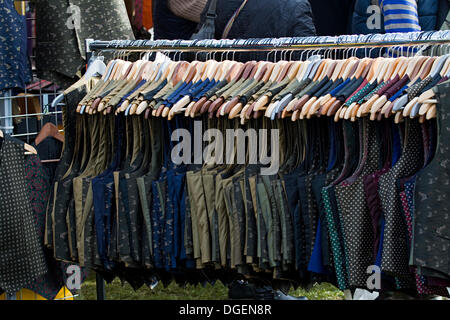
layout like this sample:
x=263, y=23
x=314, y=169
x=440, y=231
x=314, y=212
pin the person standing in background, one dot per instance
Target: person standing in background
x=178, y=19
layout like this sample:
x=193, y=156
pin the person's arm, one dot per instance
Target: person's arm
x=187, y=9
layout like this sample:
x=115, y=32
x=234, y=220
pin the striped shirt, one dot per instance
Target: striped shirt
x=400, y=15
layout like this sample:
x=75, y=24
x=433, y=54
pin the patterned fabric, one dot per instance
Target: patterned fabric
x=38, y=183
x=355, y=217
x=15, y=70
x=21, y=256
x=395, y=251
x=338, y=251
x=371, y=94
x=415, y=89
x=431, y=245
x=407, y=197
x=63, y=26
x=361, y=93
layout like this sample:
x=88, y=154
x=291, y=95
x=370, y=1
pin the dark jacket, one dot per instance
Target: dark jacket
x=266, y=19
x=167, y=25
x=258, y=19
x=332, y=17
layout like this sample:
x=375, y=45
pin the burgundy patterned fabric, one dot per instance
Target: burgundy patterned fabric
x=38, y=183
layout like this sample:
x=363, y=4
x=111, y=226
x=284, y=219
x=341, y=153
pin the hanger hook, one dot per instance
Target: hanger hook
x=268, y=54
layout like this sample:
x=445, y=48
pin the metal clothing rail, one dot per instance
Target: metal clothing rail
x=268, y=44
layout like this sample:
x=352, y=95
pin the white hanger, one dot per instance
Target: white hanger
x=96, y=67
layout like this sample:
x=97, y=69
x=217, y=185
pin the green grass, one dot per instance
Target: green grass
x=118, y=291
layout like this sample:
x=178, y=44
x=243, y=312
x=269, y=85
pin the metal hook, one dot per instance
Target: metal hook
x=267, y=56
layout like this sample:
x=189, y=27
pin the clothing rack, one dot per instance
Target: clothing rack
x=269, y=44
x=345, y=42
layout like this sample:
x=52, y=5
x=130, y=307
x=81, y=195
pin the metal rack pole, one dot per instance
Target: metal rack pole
x=268, y=44
x=6, y=113
x=99, y=281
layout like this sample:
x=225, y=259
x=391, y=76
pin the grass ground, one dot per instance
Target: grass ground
x=118, y=291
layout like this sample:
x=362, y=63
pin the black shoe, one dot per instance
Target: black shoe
x=241, y=290
x=279, y=295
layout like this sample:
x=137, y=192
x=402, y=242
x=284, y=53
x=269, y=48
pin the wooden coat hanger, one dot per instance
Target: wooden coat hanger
x=291, y=76
x=196, y=68
x=185, y=77
x=231, y=71
x=253, y=79
x=349, y=67
x=48, y=130
x=234, y=106
x=331, y=105
x=207, y=71
x=98, y=86
x=435, y=69
x=279, y=72
x=351, y=111
x=118, y=77
x=361, y=72
x=247, y=110
x=179, y=73
x=134, y=78
x=380, y=76
x=233, y=75
x=246, y=71
x=212, y=74
x=393, y=70
x=337, y=73
x=167, y=74
x=305, y=98
x=313, y=104
x=173, y=77
x=277, y=106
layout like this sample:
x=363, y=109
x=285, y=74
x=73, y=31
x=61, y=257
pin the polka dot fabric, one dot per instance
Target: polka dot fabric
x=21, y=257
x=354, y=213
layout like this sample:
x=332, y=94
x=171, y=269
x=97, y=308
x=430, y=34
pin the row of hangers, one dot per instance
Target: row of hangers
x=122, y=77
